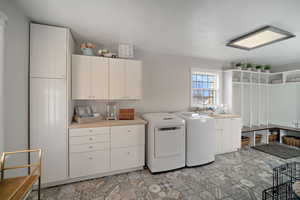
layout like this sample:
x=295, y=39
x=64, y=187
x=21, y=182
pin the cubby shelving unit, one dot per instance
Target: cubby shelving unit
x=256, y=96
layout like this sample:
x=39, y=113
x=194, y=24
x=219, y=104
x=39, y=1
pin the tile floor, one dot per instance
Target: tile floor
x=240, y=175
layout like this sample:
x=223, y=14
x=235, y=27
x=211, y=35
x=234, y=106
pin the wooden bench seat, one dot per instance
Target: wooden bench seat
x=18, y=187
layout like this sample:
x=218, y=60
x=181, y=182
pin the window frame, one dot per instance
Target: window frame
x=219, y=74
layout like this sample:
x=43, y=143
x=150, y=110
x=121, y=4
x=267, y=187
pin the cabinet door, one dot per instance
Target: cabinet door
x=99, y=78
x=116, y=79
x=48, y=122
x=124, y=136
x=133, y=78
x=81, y=81
x=126, y=158
x=236, y=128
x=227, y=142
x=89, y=163
x=48, y=48
x=220, y=142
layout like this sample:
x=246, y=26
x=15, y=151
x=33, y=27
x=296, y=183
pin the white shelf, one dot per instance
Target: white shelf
x=252, y=72
x=248, y=83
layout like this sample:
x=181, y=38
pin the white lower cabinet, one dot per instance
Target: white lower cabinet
x=129, y=157
x=228, y=135
x=88, y=163
x=106, y=149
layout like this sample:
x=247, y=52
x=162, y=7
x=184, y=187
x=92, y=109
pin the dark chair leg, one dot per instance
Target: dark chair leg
x=39, y=189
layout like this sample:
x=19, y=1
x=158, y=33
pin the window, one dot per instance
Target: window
x=205, y=88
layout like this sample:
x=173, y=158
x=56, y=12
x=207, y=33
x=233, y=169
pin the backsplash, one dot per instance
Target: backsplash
x=100, y=106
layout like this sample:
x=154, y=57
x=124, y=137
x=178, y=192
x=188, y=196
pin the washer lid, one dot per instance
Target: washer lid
x=193, y=115
x=162, y=118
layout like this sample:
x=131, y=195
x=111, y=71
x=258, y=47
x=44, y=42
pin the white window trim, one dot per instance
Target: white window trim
x=219, y=86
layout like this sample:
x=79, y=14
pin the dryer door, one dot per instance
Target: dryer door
x=169, y=141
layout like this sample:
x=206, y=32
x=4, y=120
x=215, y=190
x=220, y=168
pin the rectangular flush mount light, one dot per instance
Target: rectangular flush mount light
x=260, y=37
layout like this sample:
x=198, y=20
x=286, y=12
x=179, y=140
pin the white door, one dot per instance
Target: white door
x=236, y=128
x=116, y=79
x=48, y=122
x=163, y=147
x=133, y=79
x=99, y=78
x=48, y=49
x=81, y=80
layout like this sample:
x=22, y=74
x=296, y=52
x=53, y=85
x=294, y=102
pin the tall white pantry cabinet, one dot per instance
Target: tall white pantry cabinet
x=50, y=70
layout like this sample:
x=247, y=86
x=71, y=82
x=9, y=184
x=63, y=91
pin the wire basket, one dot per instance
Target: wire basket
x=284, y=177
x=281, y=192
x=289, y=172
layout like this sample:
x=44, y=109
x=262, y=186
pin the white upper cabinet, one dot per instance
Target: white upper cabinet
x=81, y=71
x=125, y=79
x=117, y=79
x=89, y=77
x=106, y=78
x=99, y=78
x=133, y=77
x=48, y=49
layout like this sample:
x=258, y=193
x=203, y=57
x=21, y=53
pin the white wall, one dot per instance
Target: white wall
x=166, y=80
x=15, y=78
x=3, y=19
x=287, y=67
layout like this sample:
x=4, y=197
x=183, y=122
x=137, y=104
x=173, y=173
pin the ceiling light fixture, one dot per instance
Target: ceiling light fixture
x=260, y=37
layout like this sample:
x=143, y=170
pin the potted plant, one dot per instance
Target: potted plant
x=249, y=66
x=258, y=68
x=238, y=66
x=267, y=68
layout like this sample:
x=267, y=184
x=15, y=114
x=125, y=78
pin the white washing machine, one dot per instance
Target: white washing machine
x=165, y=142
x=201, y=138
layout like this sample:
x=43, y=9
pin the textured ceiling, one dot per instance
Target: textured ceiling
x=198, y=28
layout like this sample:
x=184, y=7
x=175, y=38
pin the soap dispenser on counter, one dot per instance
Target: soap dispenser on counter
x=111, y=111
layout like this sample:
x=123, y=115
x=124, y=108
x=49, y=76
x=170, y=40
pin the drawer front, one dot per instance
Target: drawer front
x=88, y=131
x=77, y=148
x=124, y=136
x=125, y=158
x=219, y=124
x=89, y=139
x=89, y=163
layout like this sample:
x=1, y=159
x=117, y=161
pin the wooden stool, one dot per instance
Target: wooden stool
x=18, y=187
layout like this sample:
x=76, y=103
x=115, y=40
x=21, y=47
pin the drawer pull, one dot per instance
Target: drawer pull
x=90, y=158
x=128, y=131
x=90, y=138
x=90, y=147
x=91, y=130
x=128, y=153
